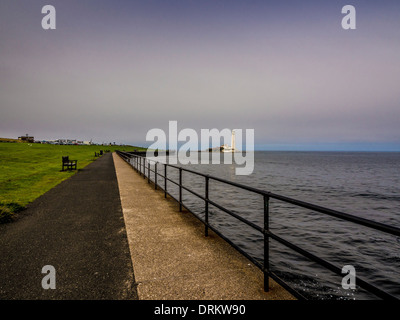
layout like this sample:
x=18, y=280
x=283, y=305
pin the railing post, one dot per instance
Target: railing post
x=180, y=189
x=148, y=171
x=144, y=168
x=266, y=244
x=140, y=166
x=165, y=180
x=155, y=175
x=206, y=209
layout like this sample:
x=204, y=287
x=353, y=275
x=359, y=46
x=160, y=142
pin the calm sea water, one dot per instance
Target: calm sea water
x=362, y=184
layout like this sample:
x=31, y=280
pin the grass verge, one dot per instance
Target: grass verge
x=29, y=170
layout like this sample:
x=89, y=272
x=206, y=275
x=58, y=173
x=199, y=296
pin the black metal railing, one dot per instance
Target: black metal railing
x=139, y=162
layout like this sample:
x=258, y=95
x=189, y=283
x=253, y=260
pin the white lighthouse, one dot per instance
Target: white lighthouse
x=232, y=148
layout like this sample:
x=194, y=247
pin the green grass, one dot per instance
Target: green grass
x=29, y=170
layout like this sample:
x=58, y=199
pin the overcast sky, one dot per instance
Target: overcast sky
x=112, y=70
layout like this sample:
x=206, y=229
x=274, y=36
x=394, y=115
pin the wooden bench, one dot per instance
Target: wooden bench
x=69, y=164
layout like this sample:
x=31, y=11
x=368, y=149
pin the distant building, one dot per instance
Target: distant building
x=67, y=142
x=26, y=138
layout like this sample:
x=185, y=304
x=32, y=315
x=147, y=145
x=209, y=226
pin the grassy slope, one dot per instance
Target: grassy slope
x=29, y=170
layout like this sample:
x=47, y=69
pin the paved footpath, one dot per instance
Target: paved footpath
x=172, y=258
x=78, y=228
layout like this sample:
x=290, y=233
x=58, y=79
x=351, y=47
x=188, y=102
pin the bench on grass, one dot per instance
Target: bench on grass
x=69, y=164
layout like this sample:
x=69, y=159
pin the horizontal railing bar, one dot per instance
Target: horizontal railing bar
x=364, y=284
x=235, y=184
x=188, y=170
x=341, y=215
x=218, y=179
x=195, y=193
x=249, y=223
x=238, y=185
x=254, y=261
x=177, y=183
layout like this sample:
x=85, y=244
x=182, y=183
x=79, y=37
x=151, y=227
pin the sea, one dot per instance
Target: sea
x=364, y=184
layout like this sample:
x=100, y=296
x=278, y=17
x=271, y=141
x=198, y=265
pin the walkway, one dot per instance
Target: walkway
x=171, y=257
x=78, y=228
